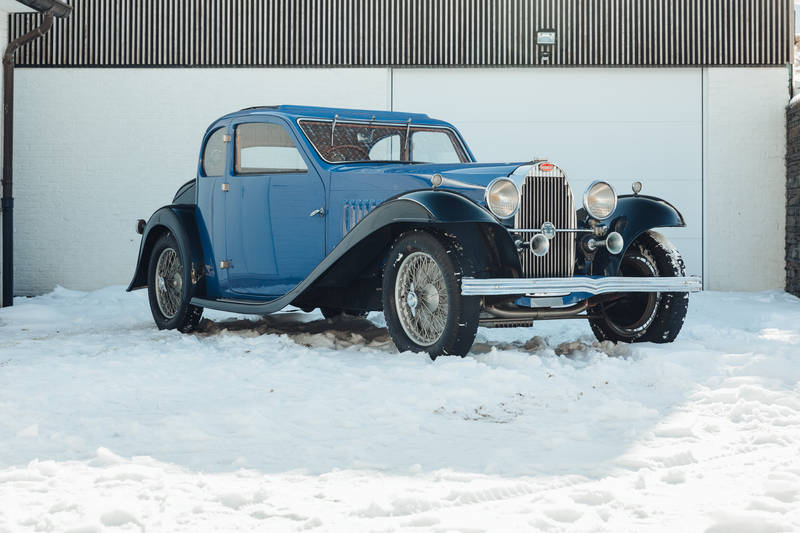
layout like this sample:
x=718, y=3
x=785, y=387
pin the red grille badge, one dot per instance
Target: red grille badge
x=546, y=167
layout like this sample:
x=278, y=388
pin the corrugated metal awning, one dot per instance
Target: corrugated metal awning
x=199, y=33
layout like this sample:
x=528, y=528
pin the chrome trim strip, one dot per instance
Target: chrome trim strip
x=558, y=286
x=558, y=230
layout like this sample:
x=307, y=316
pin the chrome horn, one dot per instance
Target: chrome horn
x=613, y=242
x=540, y=245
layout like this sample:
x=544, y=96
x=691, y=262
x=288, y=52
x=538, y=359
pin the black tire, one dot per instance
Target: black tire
x=644, y=317
x=459, y=318
x=186, y=316
x=333, y=312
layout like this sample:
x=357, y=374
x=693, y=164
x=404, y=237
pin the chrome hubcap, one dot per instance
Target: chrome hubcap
x=421, y=299
x=412, y=301
x=169, y=283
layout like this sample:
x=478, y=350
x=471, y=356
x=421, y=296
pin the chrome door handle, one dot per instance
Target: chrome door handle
x=315, y=212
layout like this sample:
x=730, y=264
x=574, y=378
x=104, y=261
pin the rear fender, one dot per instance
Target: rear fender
x=634, y=216
x=180, y=221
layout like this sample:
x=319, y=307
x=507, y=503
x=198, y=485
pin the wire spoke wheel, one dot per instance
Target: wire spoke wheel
x=421, y=298
x=169, y=282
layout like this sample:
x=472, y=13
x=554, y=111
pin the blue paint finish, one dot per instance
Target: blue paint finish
x=262, y=224
x=211, y=220
x=270, y=240
x=377, y=182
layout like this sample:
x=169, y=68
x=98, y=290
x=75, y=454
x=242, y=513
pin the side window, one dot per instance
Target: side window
x=264, y=148
x=386, y=149
x=433, y=147
x=214, y=154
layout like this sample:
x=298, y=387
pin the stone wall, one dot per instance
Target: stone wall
x=793, y=198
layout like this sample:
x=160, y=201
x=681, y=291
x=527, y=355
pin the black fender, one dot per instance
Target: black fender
x=449, y=213
x=633, y=216
x=485, y=241
x=181, y=221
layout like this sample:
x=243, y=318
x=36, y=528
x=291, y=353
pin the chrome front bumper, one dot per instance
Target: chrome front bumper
x=577, y=284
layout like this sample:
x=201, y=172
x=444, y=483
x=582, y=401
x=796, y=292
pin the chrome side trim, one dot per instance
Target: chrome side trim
x=559, y=286
x=558, y=230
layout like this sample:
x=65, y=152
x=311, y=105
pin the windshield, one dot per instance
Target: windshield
x=340, y=142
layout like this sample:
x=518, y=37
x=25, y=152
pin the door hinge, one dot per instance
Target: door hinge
x=225, y=264
x=226, y=138
x=226, y=187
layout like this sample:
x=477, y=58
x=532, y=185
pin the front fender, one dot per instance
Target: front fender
x=634, y=216
x=181, y=222
x=447, y=206
x=484, y=241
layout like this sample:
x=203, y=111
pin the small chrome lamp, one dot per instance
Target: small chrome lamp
x=545, y=41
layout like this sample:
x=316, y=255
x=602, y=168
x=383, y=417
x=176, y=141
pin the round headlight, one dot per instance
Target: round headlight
x=502, y=198
x=600, y=200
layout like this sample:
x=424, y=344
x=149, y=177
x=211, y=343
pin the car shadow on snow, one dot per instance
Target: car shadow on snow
x=337, y=333
x=347, y=332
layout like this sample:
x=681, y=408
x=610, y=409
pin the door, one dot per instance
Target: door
x=274, y=211
x=212, y=182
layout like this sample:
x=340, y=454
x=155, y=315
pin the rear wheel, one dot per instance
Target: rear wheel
x=644, y=317
x=168, y=287
x=422, y=301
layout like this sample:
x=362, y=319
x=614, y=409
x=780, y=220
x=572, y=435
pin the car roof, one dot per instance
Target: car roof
x=294, y=112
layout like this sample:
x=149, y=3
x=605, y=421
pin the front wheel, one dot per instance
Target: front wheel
x=168, y=286
x=422, y=301
x=644, y=317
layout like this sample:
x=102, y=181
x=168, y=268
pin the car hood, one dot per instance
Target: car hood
x=469, y=179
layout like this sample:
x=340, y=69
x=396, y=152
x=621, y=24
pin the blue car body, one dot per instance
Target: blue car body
x=259, y=242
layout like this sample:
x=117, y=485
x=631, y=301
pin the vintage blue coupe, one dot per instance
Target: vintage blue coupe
x=352, y=211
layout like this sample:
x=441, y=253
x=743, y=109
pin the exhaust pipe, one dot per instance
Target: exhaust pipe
x=537, y=314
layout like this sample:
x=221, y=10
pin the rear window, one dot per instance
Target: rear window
x=214, y=154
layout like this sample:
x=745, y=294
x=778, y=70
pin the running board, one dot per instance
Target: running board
x=563, y=286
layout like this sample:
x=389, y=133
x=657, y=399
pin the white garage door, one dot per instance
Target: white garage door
x=619, y=125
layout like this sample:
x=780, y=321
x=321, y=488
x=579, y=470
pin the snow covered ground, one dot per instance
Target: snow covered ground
x=291, y=423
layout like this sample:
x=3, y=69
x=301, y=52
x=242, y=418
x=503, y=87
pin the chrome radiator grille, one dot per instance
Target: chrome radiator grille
x=547, y=197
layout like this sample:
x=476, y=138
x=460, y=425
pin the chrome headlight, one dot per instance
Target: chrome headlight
x=600, y=200
x=502, y=198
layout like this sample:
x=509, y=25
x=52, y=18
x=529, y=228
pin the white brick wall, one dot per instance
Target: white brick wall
x=745, y=177
x=95, y=149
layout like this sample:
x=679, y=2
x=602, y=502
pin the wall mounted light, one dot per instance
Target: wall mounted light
x=545, y=41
